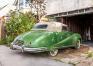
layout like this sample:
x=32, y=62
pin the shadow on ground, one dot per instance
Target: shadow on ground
x=27, y=54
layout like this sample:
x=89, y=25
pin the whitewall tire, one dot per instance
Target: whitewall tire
x=78, y=44
x=54, y=52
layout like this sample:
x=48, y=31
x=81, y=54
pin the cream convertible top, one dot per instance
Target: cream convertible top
x=53, y=26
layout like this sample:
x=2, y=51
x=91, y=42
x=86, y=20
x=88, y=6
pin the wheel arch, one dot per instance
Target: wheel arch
x=77, y=37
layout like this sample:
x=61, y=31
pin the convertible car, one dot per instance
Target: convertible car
x=46, y=36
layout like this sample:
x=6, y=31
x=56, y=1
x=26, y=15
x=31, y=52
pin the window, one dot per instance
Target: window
x=43, y=26
x=27, y=3
x=21, y=2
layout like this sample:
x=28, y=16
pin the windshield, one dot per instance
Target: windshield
x=42, y=26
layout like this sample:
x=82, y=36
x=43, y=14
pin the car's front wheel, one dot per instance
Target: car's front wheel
x=78, y=44
x=54, y=52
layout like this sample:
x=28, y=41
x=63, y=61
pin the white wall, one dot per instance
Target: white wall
x=85, y=3
x=57, y=6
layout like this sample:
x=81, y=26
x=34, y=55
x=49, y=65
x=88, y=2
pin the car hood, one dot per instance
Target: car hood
x=30, y=37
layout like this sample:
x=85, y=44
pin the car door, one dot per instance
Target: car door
x=60, y=36
x=68, y=41
x=64, y=38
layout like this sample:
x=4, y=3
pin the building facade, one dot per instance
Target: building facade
x=58, y=6
x=22, y=5
x=77, y=14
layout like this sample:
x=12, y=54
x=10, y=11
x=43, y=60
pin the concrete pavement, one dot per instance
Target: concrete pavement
x=9, y=57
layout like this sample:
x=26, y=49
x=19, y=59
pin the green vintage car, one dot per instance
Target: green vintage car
x=46, y=36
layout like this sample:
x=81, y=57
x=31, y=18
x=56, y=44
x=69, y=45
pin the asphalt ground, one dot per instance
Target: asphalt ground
x=10, y=57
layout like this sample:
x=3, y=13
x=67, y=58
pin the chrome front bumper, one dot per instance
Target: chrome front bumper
x=25, y=49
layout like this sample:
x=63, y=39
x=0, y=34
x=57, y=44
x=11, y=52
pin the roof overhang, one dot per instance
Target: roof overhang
x=88, y=10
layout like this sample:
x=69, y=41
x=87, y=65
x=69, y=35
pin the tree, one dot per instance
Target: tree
x=39, y=7
x=18, y=25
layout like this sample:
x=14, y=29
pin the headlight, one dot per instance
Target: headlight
x=19, y=42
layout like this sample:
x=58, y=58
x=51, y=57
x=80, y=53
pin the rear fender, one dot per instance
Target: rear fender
x=76, y=37
x=69, y=41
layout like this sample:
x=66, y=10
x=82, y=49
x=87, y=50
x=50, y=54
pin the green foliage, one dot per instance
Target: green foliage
x=18, y=24
x=2, y=41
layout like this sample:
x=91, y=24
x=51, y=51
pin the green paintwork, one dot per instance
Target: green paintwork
x=49, y=40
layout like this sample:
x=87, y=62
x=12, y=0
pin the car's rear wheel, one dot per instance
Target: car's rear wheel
x=78, y=44
x=54, y=52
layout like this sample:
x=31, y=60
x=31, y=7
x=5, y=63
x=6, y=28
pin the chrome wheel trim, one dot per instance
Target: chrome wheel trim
x=54, y=52
x=78, y=44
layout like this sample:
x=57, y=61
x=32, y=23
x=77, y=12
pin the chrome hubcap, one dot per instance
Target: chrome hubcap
x=78, y=44
x=54, y=52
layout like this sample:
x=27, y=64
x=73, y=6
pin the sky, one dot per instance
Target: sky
x=7, y=8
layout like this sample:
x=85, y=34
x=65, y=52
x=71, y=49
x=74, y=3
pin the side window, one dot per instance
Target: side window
x=64, y=28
